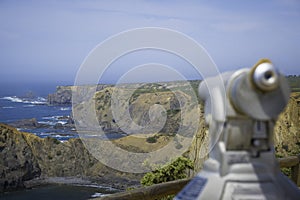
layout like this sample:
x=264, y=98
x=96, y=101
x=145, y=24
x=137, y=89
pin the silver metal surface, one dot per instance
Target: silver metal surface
x=241, y=121
x=266, y=77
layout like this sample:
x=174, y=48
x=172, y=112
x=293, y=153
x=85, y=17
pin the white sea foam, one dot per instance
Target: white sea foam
x=51, y=123
x=65, y=108
x=48, y=117
x=8, y=107
x=42, y=99
x=38, y=100
x=97, y=194
x=58, y=136
x=13, y=99
x=53, y=120
x=44, y=133
x=61, y=138
x=55, y=117
x=98, y=186
x=62, y=122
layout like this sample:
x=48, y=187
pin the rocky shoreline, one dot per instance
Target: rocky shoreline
x=63, y=94
x=27, y=160
x=32, y=124
x=120, y=184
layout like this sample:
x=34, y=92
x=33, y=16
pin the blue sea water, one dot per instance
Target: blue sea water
x=59, y=192
x=29, y=100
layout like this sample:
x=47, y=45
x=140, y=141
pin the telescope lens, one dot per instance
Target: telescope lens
x=268, y=75
x=265, y=77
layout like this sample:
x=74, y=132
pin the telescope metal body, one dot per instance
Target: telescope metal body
x=241, y=109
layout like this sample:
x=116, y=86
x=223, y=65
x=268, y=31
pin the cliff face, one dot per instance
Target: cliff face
x=60, y=159
x=139, y=106
x=17, y=160
x=24, y=156
x=63, y=95
x=287, y=129
x=198, y=151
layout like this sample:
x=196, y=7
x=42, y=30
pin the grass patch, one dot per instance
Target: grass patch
x=139, y=143
x=152, y=139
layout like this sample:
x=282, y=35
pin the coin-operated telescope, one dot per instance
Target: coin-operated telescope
x=241, y=109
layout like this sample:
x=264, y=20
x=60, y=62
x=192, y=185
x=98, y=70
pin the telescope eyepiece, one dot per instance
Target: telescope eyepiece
x=266, y=77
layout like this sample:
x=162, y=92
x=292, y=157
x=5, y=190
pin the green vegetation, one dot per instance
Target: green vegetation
x=148, y=88
x=286, y=171
x=152, y=139
x=169, y=172
x=53, y=140
x=173, y=111
x=287, y=152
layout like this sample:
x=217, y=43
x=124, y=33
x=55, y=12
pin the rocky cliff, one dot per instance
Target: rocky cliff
x=287, y=129
x=63, y=94
x=17, y=160
x=286, y=132
x=139, y=106
x=24, y=156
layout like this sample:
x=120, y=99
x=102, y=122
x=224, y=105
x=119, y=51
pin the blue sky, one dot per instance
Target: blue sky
x=48, y=40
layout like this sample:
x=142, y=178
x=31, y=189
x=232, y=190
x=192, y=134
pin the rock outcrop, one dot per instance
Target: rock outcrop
x=139, y=107
x=27, y=123
x=62, y=96
x=286, y=132
x=24, y=156
x=287, y=129
x=17, y=160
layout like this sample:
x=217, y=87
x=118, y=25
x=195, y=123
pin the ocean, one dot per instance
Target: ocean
x=27, y=101
x=30, y=101
x=59, y=192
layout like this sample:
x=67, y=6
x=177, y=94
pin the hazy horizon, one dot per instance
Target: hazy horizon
x=46, y=42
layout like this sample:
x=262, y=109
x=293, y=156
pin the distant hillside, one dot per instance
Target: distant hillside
x=294, y=82
x=24, y=156
x=63, y=94
x=286, y=136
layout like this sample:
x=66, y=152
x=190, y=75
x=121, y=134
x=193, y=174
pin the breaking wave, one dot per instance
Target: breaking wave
x=35, y=101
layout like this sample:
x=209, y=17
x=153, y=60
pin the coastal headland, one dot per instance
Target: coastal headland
x=27, y=160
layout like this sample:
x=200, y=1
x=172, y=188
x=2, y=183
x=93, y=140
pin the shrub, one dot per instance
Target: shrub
x=169, y=172
x=151, y=139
